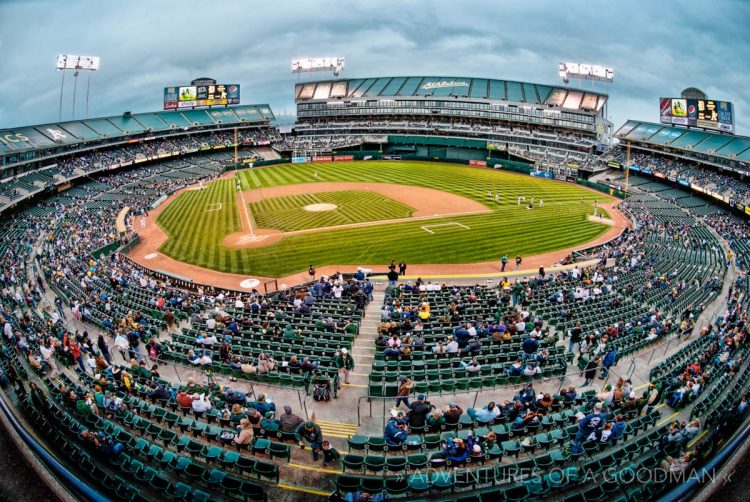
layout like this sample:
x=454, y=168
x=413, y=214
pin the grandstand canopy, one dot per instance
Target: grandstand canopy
x=20, y=139
x=451, y=87
x=730, y=147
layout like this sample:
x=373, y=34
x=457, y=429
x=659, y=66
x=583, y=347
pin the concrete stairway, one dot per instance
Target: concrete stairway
x=363, y=349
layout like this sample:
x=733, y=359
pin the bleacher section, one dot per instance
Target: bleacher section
x=126, y=430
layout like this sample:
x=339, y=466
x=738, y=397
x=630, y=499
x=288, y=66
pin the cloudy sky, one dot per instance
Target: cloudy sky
x=657, y=48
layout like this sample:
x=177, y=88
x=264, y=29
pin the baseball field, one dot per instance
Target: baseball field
x=285, y=217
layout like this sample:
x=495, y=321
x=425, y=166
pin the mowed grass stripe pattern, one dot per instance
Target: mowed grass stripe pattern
x=196, y=235
x=195, y=232
x=466, y=181
x=288, y=213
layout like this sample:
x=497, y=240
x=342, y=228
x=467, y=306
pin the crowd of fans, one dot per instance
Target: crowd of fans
x=703, y=176
x=124, y=154
x=421, y=126
x=322, y=143
x=64, y=230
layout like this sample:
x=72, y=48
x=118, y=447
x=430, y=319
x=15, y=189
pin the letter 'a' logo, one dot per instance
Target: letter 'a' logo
x=56, y=134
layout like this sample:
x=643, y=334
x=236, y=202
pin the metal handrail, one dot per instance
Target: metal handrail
x=561, y=378
x=61, y=473
x=687, y=489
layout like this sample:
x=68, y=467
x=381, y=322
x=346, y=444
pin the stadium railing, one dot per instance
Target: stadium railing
x=69, y=480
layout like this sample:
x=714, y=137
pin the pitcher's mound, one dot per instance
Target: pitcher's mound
x=315, y=208
x=251, y=238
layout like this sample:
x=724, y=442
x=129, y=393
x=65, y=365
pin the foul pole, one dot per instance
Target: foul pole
x=627, y=169
x=236, y=158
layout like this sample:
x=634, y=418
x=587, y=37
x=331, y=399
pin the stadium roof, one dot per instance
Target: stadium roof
x=690, y=140
x=451, y=87
x=21, y=139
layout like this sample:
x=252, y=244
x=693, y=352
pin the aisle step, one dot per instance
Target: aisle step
x=337, y=429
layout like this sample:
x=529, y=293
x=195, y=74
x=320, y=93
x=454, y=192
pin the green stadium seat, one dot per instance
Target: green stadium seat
x=352, y=461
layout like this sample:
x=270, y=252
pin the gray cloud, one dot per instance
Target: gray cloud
x=657, y=48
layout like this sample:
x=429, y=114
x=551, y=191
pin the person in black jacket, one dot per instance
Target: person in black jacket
x=392, y=278
x=590, y=372
x=418, y=411
x=575, y=337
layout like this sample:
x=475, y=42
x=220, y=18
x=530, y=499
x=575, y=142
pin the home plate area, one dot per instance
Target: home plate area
x=429, y=228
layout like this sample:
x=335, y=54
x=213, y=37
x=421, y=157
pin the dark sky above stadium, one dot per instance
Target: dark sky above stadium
x=656, y=48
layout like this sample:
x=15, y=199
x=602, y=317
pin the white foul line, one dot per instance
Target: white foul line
x=247, y=214
x=426, y=228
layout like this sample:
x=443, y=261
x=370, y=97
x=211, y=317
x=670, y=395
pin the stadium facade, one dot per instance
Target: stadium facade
x=541, y=123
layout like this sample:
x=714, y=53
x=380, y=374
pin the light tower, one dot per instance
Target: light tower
x=76, y=63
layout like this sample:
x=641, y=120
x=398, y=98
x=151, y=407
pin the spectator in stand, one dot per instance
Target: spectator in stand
x=418, y=411
x=310, y=432
x=245, y=434
x=453, y=413
x=289, y=421
x=589, y=373
x=396, y=431
x=344, y=363
x=404, y=390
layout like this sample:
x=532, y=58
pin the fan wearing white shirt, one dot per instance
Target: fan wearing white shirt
x=337, y=290
x=201, y=404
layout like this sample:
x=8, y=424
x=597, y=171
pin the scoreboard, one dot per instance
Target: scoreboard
x=192, y=96
x=704, y=113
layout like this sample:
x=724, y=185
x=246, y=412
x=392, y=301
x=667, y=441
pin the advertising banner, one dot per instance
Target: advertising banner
x=300, y=160
x=343, y=157
x=480, y=163
x=705, y=113
x=323, y=158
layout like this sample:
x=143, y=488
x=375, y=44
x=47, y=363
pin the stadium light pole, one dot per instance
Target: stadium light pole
x=77, y=63
x=75, y=90
x=62, y=86
x=88, y=87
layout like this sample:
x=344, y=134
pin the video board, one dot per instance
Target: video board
x=704, y=113
x=192, y=96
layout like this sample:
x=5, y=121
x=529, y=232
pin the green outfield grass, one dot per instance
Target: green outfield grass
x=288, y=213
x=196, y=227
